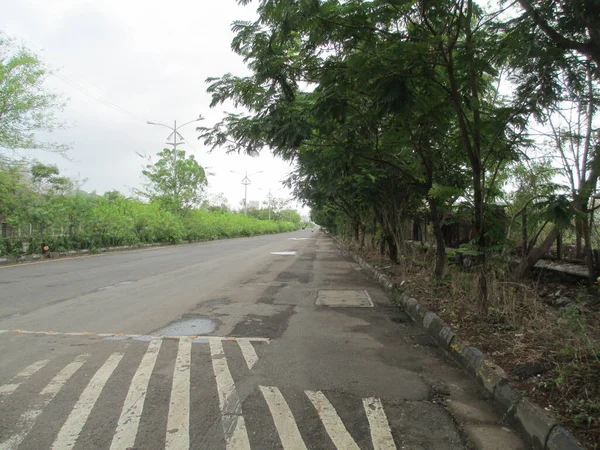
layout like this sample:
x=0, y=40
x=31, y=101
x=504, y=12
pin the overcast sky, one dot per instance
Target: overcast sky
x=150, y=58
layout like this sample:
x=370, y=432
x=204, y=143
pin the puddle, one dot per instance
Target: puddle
x=284, y=253
x=190, y=326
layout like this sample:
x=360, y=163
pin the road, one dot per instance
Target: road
x=270, y=342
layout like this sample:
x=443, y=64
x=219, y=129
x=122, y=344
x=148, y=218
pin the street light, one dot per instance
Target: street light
x=270, y=199
x=174, y=134
x=246, y=181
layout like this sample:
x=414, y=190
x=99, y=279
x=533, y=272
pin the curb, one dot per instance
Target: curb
x=538, y=428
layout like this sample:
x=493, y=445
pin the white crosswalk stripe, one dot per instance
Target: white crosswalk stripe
x=133, y=407
x=27, y=420
x=178, y=424
x=283, y=418
x=381, y=435
x=234, y=426
x=22, y=376
x=179, y=432
x=68, y=434
x=248, y=352
x=332, y=422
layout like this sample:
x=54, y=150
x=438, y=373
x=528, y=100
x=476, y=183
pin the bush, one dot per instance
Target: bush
x=113, y=221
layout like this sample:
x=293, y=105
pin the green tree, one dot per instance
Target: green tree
x=175, y=180
x=26, y=106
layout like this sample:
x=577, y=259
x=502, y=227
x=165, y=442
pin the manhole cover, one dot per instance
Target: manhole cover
x=344, y=298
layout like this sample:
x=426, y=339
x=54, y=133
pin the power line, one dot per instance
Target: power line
x=105, y=101
x=88, y=90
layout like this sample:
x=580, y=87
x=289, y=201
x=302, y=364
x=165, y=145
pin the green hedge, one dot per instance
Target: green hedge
x=121, y=222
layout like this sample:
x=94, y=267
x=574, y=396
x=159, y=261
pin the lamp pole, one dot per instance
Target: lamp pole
x=246, y=181
x=174, y=136
x=270, y=198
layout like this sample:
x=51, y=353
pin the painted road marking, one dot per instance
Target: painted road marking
x=284, y=253
x=249, y=353
x=284, y=420
x=139, y=337
x=332, y=422
x=234, y=426
x=178, y=422
x=381, y=435
x=134, y=402
x=69, y=433
x=28, y=418
x=22, y=376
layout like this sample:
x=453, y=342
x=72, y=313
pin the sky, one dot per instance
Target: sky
x=122, y=63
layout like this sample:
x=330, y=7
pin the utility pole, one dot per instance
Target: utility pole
x=246, y=181
x=175, y=136
x=270, y=198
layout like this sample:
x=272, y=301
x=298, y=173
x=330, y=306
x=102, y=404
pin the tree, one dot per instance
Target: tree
x=572, y=25
x=26, y=106
x=175, y=180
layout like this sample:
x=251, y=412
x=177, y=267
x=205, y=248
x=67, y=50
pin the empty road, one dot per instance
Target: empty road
x=270, y=342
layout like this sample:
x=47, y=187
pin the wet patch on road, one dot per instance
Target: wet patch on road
x=270, y=326
x=301, y=277
x=214, y=302
x=189, y=325
x=268, y=297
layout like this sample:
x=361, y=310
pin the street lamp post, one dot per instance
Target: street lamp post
x=246, y=181
x=269, y=198
x=174, y=135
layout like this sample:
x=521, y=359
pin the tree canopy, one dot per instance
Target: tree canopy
x=27, y=106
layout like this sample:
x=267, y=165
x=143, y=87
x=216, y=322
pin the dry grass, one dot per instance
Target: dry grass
x=521, y=327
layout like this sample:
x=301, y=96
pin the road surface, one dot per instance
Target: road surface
x=270, y=342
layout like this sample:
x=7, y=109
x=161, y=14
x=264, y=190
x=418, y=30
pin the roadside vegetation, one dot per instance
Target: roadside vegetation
x=470, y=129
x=41, y=209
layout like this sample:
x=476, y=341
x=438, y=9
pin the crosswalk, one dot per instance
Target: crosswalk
x=78, y=388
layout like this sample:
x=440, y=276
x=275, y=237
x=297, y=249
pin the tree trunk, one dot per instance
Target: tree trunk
x=587, y=250
x=578, y=228
x=578, y=250
x=440, y=253
x=524, y=233
x=527, y=262
x=392, y=248
x=363, y=235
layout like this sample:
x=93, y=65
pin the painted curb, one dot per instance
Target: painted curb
x=539, y=429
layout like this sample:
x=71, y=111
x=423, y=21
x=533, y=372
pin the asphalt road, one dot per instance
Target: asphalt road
x=272, y=342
